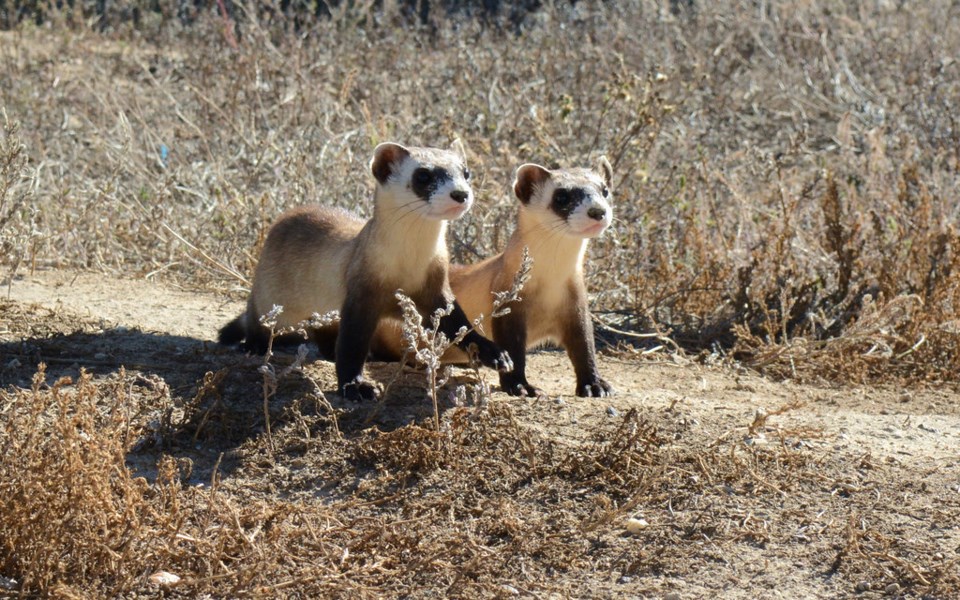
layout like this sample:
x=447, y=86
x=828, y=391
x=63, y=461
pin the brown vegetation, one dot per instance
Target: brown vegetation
x=487, y=505
x=785, y=172
x=785, y=200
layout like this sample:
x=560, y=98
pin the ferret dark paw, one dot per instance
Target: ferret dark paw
x=502, y=363
x=598, y=388
x=515, y=386
x=527, y=391
x=254, y=346
x=359, y=389
x=490, y=355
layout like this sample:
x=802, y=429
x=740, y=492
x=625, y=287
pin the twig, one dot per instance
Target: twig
x=270, y=375
x=227, y=25
x=225, y=268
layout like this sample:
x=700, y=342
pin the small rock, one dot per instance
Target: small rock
x=164, y=578
x=14, y=364
x=625, y=579
x=100, y=355
x=612, y=412
x=7, y=583
x=863, y=586
x=559, y=401
x=635, y=525
x=892, y=589
x=510, y=590
x=672, y=596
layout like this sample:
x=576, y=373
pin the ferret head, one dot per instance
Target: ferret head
x=573, y=201
x=425, y=181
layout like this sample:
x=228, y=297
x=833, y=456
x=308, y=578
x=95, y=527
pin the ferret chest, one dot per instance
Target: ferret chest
x=408, y=268
x=549, y=305
x=404, y=257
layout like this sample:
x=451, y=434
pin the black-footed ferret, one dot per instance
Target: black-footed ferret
x=560, y=210
x=318, y=259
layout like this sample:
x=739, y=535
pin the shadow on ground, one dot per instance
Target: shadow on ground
x=203, y=403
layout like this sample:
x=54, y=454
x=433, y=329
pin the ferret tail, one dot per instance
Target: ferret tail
x=233, y=332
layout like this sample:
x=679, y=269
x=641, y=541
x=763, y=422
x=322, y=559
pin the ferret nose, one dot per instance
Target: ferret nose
x=459, y=196
x=597, y=213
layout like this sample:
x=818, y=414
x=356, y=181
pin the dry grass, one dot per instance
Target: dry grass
x=774, y=169
x=486, y=502
x=784, y=198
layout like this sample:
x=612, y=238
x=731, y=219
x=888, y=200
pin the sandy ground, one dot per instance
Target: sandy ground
x=915, y=425
x=894, y=450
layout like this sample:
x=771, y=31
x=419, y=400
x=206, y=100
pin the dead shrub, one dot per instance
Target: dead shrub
x=71, y=511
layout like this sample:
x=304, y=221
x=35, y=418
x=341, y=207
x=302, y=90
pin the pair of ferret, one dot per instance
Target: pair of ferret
x=318, y=259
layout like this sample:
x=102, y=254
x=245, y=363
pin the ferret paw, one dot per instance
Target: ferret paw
x=515, y=386
x=502, y=363
x=525, y=390
x=359, y=389
x=254, y=345
x=490, y=355
x=597, y=388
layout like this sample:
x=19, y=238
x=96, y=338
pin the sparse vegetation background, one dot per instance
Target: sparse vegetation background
x=786, y=179
x=786, y=172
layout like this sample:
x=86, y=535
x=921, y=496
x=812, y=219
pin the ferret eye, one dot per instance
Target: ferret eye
x=561, y=198
x=605, y=191
x=466, y=174
x=422, y=177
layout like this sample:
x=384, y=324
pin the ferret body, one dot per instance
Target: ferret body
x=560, y=211
x=318, y=259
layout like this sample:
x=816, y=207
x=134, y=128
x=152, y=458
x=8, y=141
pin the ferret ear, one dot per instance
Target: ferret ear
x=530, y=177
x=457, y=146
x=385, y=156
x=603, y=165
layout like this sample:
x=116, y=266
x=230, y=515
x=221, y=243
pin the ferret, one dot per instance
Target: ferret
x=317, y=259
x=560, y=211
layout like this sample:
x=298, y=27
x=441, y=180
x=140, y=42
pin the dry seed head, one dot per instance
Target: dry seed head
x=269, y=319
x=501, y=299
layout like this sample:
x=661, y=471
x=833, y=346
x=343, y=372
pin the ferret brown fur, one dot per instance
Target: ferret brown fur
x=318, y=259
x=560, y=211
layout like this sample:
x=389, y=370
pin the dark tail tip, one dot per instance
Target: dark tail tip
x=233, y=332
